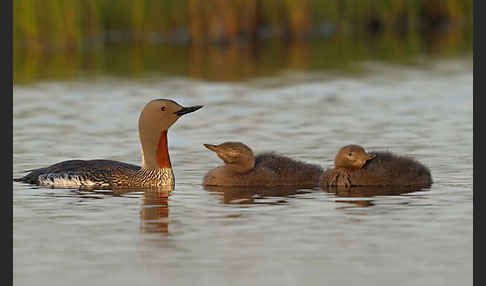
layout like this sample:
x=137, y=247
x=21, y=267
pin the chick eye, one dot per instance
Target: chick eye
x=349, y=154
x=162, y=108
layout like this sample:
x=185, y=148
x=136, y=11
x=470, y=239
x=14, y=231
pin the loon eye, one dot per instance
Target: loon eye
x=162, y=108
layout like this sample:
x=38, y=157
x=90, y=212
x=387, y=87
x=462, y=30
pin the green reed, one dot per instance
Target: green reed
x=204, y=38
x=40, y=24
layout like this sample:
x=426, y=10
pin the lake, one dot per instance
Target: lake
x=220, y=237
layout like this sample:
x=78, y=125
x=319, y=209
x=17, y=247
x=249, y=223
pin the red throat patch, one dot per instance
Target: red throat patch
x=163, y=159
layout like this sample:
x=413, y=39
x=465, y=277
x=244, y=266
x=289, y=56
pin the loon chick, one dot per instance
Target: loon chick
x=242, y=168
x=355, y=167
x=156, y=170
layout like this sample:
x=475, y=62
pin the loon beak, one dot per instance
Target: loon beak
x=186, y=110
x=211, y=147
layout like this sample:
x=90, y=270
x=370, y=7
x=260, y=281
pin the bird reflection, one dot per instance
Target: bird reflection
x=254, y=195
x=367, y=192
x=154, y=213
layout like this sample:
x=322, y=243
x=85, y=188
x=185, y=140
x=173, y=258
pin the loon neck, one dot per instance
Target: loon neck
x=157, y=157
x=345, y=170
x=163, y=159
x=241, y=167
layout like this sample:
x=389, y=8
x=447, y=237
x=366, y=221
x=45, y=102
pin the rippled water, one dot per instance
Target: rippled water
x=221, y=237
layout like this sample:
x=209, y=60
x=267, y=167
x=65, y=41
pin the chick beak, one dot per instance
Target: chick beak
x=213, y=148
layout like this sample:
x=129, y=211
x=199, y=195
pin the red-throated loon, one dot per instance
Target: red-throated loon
x=156, y=170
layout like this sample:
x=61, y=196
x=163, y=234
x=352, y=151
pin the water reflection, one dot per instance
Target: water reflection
x=255, y=195
x=154, y=213
x=237, y=63
x=353, y=194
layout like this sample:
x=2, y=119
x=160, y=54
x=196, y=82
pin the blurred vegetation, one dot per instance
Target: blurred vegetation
x=228, y=40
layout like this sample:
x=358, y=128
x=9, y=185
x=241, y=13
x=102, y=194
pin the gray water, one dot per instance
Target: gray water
x=210, y=237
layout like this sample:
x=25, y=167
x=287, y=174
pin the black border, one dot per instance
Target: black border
x=7, y=98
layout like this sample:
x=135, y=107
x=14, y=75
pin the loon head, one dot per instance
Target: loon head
x=236, y=155
x=156, y=118
x=352, y=156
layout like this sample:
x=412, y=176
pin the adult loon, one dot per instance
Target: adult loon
x=156, y=170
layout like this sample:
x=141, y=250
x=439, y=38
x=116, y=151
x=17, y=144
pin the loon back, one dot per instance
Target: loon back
x=289, y=171
x=392, y=169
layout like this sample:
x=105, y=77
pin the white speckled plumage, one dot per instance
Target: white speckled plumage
x=63, y=180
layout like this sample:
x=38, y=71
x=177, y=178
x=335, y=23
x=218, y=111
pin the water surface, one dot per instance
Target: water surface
x=221, y=237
